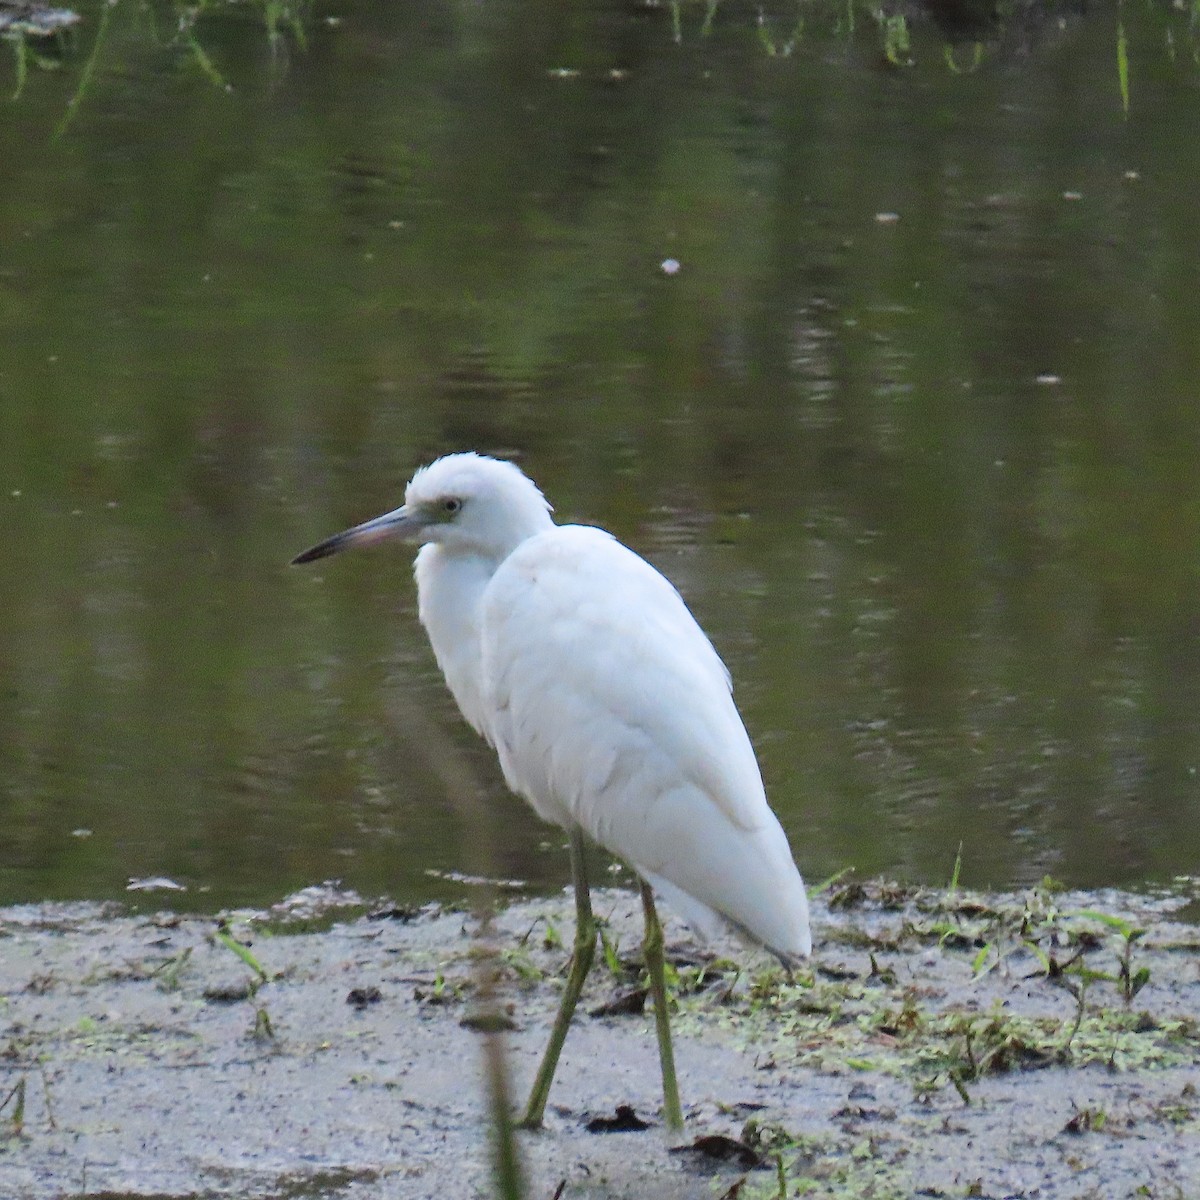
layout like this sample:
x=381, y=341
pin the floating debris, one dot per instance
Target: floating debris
x=154, y=883
x=512, y=885
x=317, y=900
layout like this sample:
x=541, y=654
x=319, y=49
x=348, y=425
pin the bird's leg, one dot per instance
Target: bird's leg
x=652, y=948
x=581, y=963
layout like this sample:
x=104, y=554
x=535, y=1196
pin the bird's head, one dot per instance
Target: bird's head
x=466, y=501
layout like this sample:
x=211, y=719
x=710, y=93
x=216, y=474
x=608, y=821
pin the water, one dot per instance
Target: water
x=913, y=427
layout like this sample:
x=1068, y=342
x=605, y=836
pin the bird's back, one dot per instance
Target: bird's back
x=610, y=709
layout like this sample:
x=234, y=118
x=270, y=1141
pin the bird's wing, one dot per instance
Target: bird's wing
x=610, y=710
x=595, y=673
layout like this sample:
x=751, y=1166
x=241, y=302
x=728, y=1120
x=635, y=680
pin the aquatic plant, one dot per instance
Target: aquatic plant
x=16, y=1118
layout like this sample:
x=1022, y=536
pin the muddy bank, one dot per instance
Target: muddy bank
x=943, y=1044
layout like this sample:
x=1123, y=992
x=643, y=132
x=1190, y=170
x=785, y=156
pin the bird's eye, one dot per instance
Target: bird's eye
x=451, y=505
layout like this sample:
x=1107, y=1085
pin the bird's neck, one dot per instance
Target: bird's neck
x=450, y=585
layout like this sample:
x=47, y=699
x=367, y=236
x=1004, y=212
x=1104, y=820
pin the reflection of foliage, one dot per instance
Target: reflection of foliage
x=710, y=11
x=896, y=44
x=187, y=20
x=278, y=17
x=997, y=27
x=28, y=27
x=776, y=48
x=903, y=31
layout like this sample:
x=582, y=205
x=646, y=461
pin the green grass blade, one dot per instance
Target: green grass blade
x=1123, y=66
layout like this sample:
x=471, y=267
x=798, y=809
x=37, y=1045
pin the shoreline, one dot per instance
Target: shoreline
x=942, y=1042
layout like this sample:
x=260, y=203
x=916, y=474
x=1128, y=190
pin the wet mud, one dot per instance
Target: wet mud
x=1040, y=1044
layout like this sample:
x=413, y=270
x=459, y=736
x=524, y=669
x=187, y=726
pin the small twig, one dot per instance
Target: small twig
x=1080, y=996
x=46, y=1092
x=18, y=1116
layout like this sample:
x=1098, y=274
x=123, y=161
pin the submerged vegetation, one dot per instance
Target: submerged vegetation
x=864, y=1015
x=1078, y=972
x=944, y=990
x=962, y=35
x=941, y=990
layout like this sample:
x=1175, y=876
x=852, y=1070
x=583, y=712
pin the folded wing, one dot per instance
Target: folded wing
x=611, y=710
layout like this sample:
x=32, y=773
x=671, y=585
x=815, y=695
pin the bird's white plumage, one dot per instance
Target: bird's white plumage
x=610, y=711
x=607, y=704
x=449, y=588
x=609, y=708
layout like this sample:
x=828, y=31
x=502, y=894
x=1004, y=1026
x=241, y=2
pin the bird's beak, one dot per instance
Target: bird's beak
x=399, y=523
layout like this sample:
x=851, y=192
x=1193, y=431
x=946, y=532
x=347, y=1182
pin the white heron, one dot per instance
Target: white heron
x=609, y=709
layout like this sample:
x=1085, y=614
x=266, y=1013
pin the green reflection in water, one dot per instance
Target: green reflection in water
x=913, y=427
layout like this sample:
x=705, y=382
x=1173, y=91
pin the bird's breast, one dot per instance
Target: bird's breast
x=450, y=588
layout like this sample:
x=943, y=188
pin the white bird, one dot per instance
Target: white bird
x=609, y=709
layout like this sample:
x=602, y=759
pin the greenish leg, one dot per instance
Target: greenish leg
x=581, y=963
x=652, y=948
